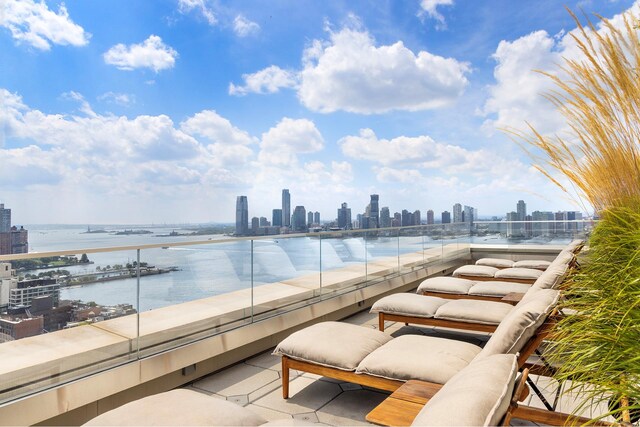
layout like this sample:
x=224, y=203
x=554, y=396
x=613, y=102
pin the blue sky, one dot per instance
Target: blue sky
x=166, y=110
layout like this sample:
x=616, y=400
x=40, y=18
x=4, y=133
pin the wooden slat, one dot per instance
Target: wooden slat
x=512, y=298
x=417, y=391
x=394, y=412
x=467, y=326
x=460, y=296
x=551, y=418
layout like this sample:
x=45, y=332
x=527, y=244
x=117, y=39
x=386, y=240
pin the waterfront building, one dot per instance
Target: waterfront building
x=316, y=218
x=385, y=218
x=542, y=228
x=407, y=218
x=374, y=212
x=457, y=213
x=521, y=209
x=5, y=219
x=298, y=220
x=242, y=216
x=344, y=217
x=286, y=208
x=27, y=290
x=513, y=227
x=264, y=222
x=430, y=218
x=276, y=218
x=255, y=224
x=417, y=220
x=446, y=217
x=8, y=281
x=309, y=218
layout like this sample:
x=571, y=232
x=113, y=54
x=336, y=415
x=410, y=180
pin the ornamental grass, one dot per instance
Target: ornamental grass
x=597, y=346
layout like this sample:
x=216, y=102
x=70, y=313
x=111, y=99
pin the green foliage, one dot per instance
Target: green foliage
x=597, y=345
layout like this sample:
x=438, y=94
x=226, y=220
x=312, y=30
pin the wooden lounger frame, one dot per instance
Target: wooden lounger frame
x=387, y=384
x=497, y=279
x=446, y=295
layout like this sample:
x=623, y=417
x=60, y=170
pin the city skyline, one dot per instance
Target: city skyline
x=167, y=115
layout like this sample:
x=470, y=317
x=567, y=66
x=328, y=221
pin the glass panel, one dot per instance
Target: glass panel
x=66, y=317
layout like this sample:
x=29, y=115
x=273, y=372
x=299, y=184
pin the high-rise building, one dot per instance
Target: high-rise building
x=407, y=218
x=8, y=281
x=430, y=218
x=344, y=217
x=457, y=212
x=513, y=229
x=316, y=218
x=385, y=218
x=417, y=218
x=469, y=214
x=276, y=218
x=521, y=210
x=19, y=240
x=310, y=218
x=264, y=222
x=5, y=219
x=446, y=217
x=242, y=216
x=374, y=213
x=298, y=220
x=286, y=208
x=255, y=224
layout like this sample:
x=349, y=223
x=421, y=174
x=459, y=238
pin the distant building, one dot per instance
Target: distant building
x=521, y=210
x=309, y=218
x=298, y=220
x=316, y=218
x=385, y=218
x=513, y=228
x=5, y=219
x=430, y=218
x=19, y=327
x=276, y=218
x=469, y=215
x=264, y=222
x=457, y=213
x=242, y=216
x=374, y=212
x=417, y=220
x=8, y=281
x=27, y=290
x=255, y=224
x=344, y=217
x=407, y=218
x=286, y=208
x=446, y=217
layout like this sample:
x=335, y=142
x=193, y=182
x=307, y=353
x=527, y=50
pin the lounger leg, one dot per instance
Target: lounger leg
x=285, y=377
x=381, y=322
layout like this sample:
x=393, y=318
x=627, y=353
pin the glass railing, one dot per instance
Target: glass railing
x=74, y=312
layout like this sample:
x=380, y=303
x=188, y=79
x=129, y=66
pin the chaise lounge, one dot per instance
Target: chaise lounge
x=372, y=358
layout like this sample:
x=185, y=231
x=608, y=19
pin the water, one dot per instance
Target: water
x=212, y=269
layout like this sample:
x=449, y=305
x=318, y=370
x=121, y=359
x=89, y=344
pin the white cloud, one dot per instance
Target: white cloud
x=123, y=99
x=85, y=107
x=350, y=73
x=186, y=6
x=33, y=23
x=281, y=144
x=216, y=128
x=430, y=7
x=517, y=95
x=390, y=175
x=244, y=27
x=152, y=53
x=269, y=80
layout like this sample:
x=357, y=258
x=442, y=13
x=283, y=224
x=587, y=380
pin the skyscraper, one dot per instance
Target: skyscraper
x=385, y=217
x=276, y=218
x=286, y=208
x=299, y=219
x=469, y=214
x=417, y=219
x=430, y=219
x=316, y=218
x=521, y=210
x=344, y=217
x=374, y=214
x=310, y=218
x=446, y=217
x=5, y=219
x=457, y=212
x=242, y=216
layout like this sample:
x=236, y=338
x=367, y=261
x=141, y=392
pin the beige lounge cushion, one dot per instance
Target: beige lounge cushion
x=474, y=311
x=409, y=305
x=492, y=288
x=475, y=270
x=521, y=323
x=538, y=264
x=564, y=257
x=419, y=357
x=518, y=273
x=334, y=344
x=551, y=277
x=178, y=408
x=447, y=285
x=495, y=262
x=479, y=395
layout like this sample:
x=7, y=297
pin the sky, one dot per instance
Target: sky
x=164, y=111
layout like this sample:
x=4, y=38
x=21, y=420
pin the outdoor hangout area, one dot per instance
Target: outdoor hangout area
x=412, y=359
